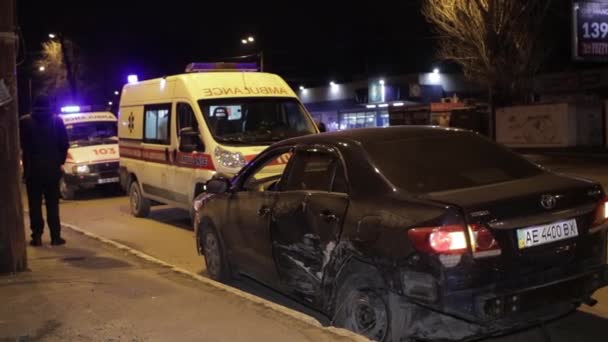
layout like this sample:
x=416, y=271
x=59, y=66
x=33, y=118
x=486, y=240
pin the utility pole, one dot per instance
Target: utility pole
x=12, y=233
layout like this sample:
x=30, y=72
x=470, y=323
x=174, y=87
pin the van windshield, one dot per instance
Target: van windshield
x=92, y=133
x=255, y=121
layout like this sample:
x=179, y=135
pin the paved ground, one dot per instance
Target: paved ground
x=167, y=235
x=88, y=291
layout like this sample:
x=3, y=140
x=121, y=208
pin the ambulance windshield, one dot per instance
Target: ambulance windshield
x=255, y=121
x=92, y=133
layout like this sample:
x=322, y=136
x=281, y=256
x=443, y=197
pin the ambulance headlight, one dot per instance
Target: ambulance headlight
x=233, y=160
x=81, y=169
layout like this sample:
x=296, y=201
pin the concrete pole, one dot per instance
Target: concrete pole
x=12, y=233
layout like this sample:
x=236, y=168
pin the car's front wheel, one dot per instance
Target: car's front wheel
x=215, y=260
x=362, y=307
x=67, y=192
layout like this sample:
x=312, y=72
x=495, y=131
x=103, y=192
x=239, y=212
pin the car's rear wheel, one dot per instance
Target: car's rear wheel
x=362, y=307
x=140, y=206
x=215, y=260
x=67, y=192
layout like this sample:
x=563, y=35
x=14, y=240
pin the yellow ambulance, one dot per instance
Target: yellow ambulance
x=177, y=132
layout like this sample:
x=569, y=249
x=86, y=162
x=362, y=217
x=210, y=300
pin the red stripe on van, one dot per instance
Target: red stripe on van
x=189, y=160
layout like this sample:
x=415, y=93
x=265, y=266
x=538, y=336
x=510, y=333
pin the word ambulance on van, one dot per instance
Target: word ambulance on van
x=93, y=158
x=179, y=131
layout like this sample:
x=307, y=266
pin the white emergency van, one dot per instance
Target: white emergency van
x=93, y=158
x=177, y=132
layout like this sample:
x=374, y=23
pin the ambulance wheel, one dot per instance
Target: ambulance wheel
x=67, y=192
x=140, y=206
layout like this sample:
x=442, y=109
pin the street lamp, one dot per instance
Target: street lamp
x=110, y=103
x=249, y=41
x=52, y=35
x=41, y=68
x=302, y=88
x=116, y=92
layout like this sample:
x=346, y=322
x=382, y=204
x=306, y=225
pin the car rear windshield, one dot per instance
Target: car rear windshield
x=255, y=121
x=433, y=164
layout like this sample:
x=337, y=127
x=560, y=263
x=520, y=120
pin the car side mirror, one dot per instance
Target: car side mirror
x=190, y=141
x=217, y=185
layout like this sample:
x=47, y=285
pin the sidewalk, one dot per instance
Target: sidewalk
x=88, y=291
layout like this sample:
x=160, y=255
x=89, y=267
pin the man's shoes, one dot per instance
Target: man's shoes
x=57, y=242
x=36, y=242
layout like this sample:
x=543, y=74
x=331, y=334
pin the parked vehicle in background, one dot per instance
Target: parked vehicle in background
x=409, y=232
x=93, y=158
x=178, y=132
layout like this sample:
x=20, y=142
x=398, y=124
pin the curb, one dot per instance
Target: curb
x=241, y=294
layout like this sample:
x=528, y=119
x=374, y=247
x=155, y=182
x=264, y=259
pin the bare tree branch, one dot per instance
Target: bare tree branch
x=495, y=41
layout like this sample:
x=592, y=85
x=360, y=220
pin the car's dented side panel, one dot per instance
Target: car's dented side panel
x=375, y=233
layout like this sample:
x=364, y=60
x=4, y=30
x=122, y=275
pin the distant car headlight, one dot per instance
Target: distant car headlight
x=81, y=169
x=233, y=160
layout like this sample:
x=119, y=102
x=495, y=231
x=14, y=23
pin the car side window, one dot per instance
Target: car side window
x=339, y=183
x=186, y=117
x=157, y=120
x=267, y=176
x=315, y=171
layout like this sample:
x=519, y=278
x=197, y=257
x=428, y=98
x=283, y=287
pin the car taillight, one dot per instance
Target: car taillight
x=449, y=239
x=601, y=213
x=482, y=242
x=452, y=239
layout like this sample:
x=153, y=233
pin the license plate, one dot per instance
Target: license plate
x=540, y=235
x=108, y=180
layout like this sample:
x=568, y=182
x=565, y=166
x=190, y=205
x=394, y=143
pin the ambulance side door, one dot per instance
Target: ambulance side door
x=155, y=178
x=189, y=153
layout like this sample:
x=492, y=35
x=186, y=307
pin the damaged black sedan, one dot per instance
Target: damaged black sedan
x=409, y=232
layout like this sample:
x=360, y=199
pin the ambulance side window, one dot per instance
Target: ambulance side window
x=157, y=123
x=185, y=117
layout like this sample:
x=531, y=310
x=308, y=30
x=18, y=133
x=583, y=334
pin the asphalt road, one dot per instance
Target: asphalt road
x=168, y=236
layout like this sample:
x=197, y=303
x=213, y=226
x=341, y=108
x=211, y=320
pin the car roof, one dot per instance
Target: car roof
x=369, y=135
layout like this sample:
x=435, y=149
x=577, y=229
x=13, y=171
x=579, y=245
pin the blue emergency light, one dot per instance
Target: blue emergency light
x=221, y=66
x=70, y=109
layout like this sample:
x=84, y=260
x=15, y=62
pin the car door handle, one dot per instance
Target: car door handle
x=328, y=216
x=264, y=211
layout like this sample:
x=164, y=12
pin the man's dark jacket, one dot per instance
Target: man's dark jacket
x=44, y=143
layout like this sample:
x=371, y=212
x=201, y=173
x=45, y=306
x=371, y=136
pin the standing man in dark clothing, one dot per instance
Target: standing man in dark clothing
x=44, y=143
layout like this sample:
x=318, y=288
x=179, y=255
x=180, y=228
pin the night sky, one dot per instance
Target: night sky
x=305, y=42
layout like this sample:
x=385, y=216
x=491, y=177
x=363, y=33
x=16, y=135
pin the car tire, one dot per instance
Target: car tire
x=362, y=307
x=67, y=192
x=140, y=206
x=215, y=257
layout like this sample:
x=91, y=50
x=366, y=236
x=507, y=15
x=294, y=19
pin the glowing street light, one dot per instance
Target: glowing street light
x=116, y=92
x=302, y=88
x=41, y=68
x=52, y=35
x=248, y=40
x=110, y=103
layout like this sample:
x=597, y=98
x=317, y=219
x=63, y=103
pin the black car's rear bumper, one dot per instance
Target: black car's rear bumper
x=484, y=312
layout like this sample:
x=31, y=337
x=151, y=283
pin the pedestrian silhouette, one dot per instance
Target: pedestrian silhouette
x=44, y=146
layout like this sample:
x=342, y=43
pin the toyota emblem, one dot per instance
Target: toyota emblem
x=548, y=201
